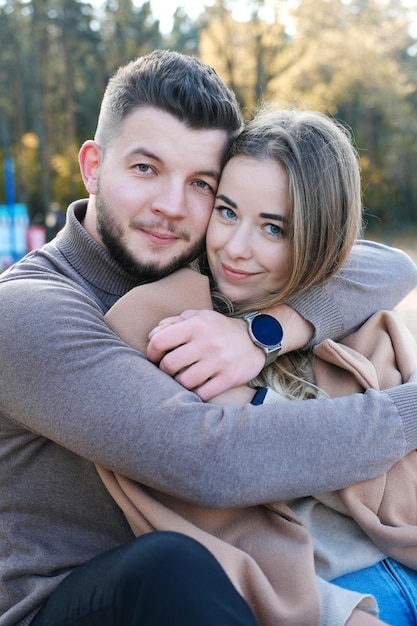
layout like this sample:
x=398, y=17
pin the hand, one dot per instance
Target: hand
x=205, y=352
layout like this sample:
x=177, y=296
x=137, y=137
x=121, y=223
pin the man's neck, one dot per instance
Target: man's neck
x=89, y=221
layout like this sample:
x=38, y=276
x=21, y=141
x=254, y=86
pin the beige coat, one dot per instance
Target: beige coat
x=266, y=551
x=381, y=354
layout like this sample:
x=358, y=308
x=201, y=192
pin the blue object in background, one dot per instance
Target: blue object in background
x=5, y=237
x=20, y=218
x=9, y=180
x=14, y=222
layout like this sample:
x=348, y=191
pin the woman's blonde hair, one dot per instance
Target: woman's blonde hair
x=325, y=206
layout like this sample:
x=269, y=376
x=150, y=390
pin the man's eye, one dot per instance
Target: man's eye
x=144, y=168
x=202, y=184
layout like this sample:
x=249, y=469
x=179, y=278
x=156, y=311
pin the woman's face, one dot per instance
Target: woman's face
x=247, y=244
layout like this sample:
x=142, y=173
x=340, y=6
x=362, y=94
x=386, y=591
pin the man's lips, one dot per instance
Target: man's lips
x=160, y=237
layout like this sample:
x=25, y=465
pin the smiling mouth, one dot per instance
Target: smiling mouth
x=235, y=274
x=160, y=237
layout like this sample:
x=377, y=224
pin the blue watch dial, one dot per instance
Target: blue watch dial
x=267, y=330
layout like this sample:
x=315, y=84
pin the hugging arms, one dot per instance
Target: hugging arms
x=249, y=256
x=73, y=395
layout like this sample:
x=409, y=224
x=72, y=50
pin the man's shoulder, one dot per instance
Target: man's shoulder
x=32, y=270
x=40, y=279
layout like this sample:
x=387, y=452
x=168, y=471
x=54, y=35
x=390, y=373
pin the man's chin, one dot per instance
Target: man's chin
x=154, y=267
x=143, y=272
x=155, y=270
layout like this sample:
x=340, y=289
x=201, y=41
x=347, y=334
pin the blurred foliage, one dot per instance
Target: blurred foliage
x=353, y=59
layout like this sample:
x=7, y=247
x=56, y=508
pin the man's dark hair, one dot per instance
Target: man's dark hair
x=180, y=85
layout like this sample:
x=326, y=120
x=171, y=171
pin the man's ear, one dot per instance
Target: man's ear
x=89, y=159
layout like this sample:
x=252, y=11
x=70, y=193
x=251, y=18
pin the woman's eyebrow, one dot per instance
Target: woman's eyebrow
x=227, y=200
x=273, y=216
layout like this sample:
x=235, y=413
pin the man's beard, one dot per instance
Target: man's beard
x=110, y=234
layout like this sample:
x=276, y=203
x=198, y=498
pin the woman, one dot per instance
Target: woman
x=287, y=212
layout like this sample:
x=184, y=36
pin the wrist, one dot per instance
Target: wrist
x=266, y=395
x=298, y=332
x=266, y=333
x=237, y=396
x=259, y=396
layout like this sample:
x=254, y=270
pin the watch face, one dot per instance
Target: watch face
x=267, y=330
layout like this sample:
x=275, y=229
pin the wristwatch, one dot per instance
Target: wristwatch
x=266, y=333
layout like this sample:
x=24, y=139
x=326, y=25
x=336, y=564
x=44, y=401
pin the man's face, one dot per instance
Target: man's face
x=154, y=192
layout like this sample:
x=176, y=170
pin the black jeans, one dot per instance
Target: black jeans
x=159, y=579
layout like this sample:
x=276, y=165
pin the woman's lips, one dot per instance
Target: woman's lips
x=235, y=274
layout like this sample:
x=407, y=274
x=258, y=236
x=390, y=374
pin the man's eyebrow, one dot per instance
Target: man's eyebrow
x=227, y=200
x=210, y=173
x=142, y=151
x=273, y=216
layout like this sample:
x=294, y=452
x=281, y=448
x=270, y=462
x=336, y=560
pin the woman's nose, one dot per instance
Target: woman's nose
x=239, y=245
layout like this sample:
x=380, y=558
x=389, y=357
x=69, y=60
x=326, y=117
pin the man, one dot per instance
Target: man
x=72, y=394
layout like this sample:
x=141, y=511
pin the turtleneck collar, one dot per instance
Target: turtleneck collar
x=90, y=260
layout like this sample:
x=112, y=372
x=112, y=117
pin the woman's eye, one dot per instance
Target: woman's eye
x=226, y=213
x=274, y=230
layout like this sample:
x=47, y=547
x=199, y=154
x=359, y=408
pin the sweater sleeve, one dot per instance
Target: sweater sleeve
x=374, y=277
x=96, y=397
x=337, y=603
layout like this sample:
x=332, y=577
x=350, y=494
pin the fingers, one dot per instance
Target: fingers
x=213, y=387
x=168, y=337
x=177, y=334
x=183, y=364
x=166, y=323
x=205, y=352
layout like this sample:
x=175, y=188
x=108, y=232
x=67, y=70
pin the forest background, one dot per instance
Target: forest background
x=353, y=59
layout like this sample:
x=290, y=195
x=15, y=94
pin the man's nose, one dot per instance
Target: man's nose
x=171, y=201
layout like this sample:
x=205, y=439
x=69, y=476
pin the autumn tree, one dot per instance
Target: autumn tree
x=128, y=31
x=243, y=53
x=354, y=59
x=349, y=59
